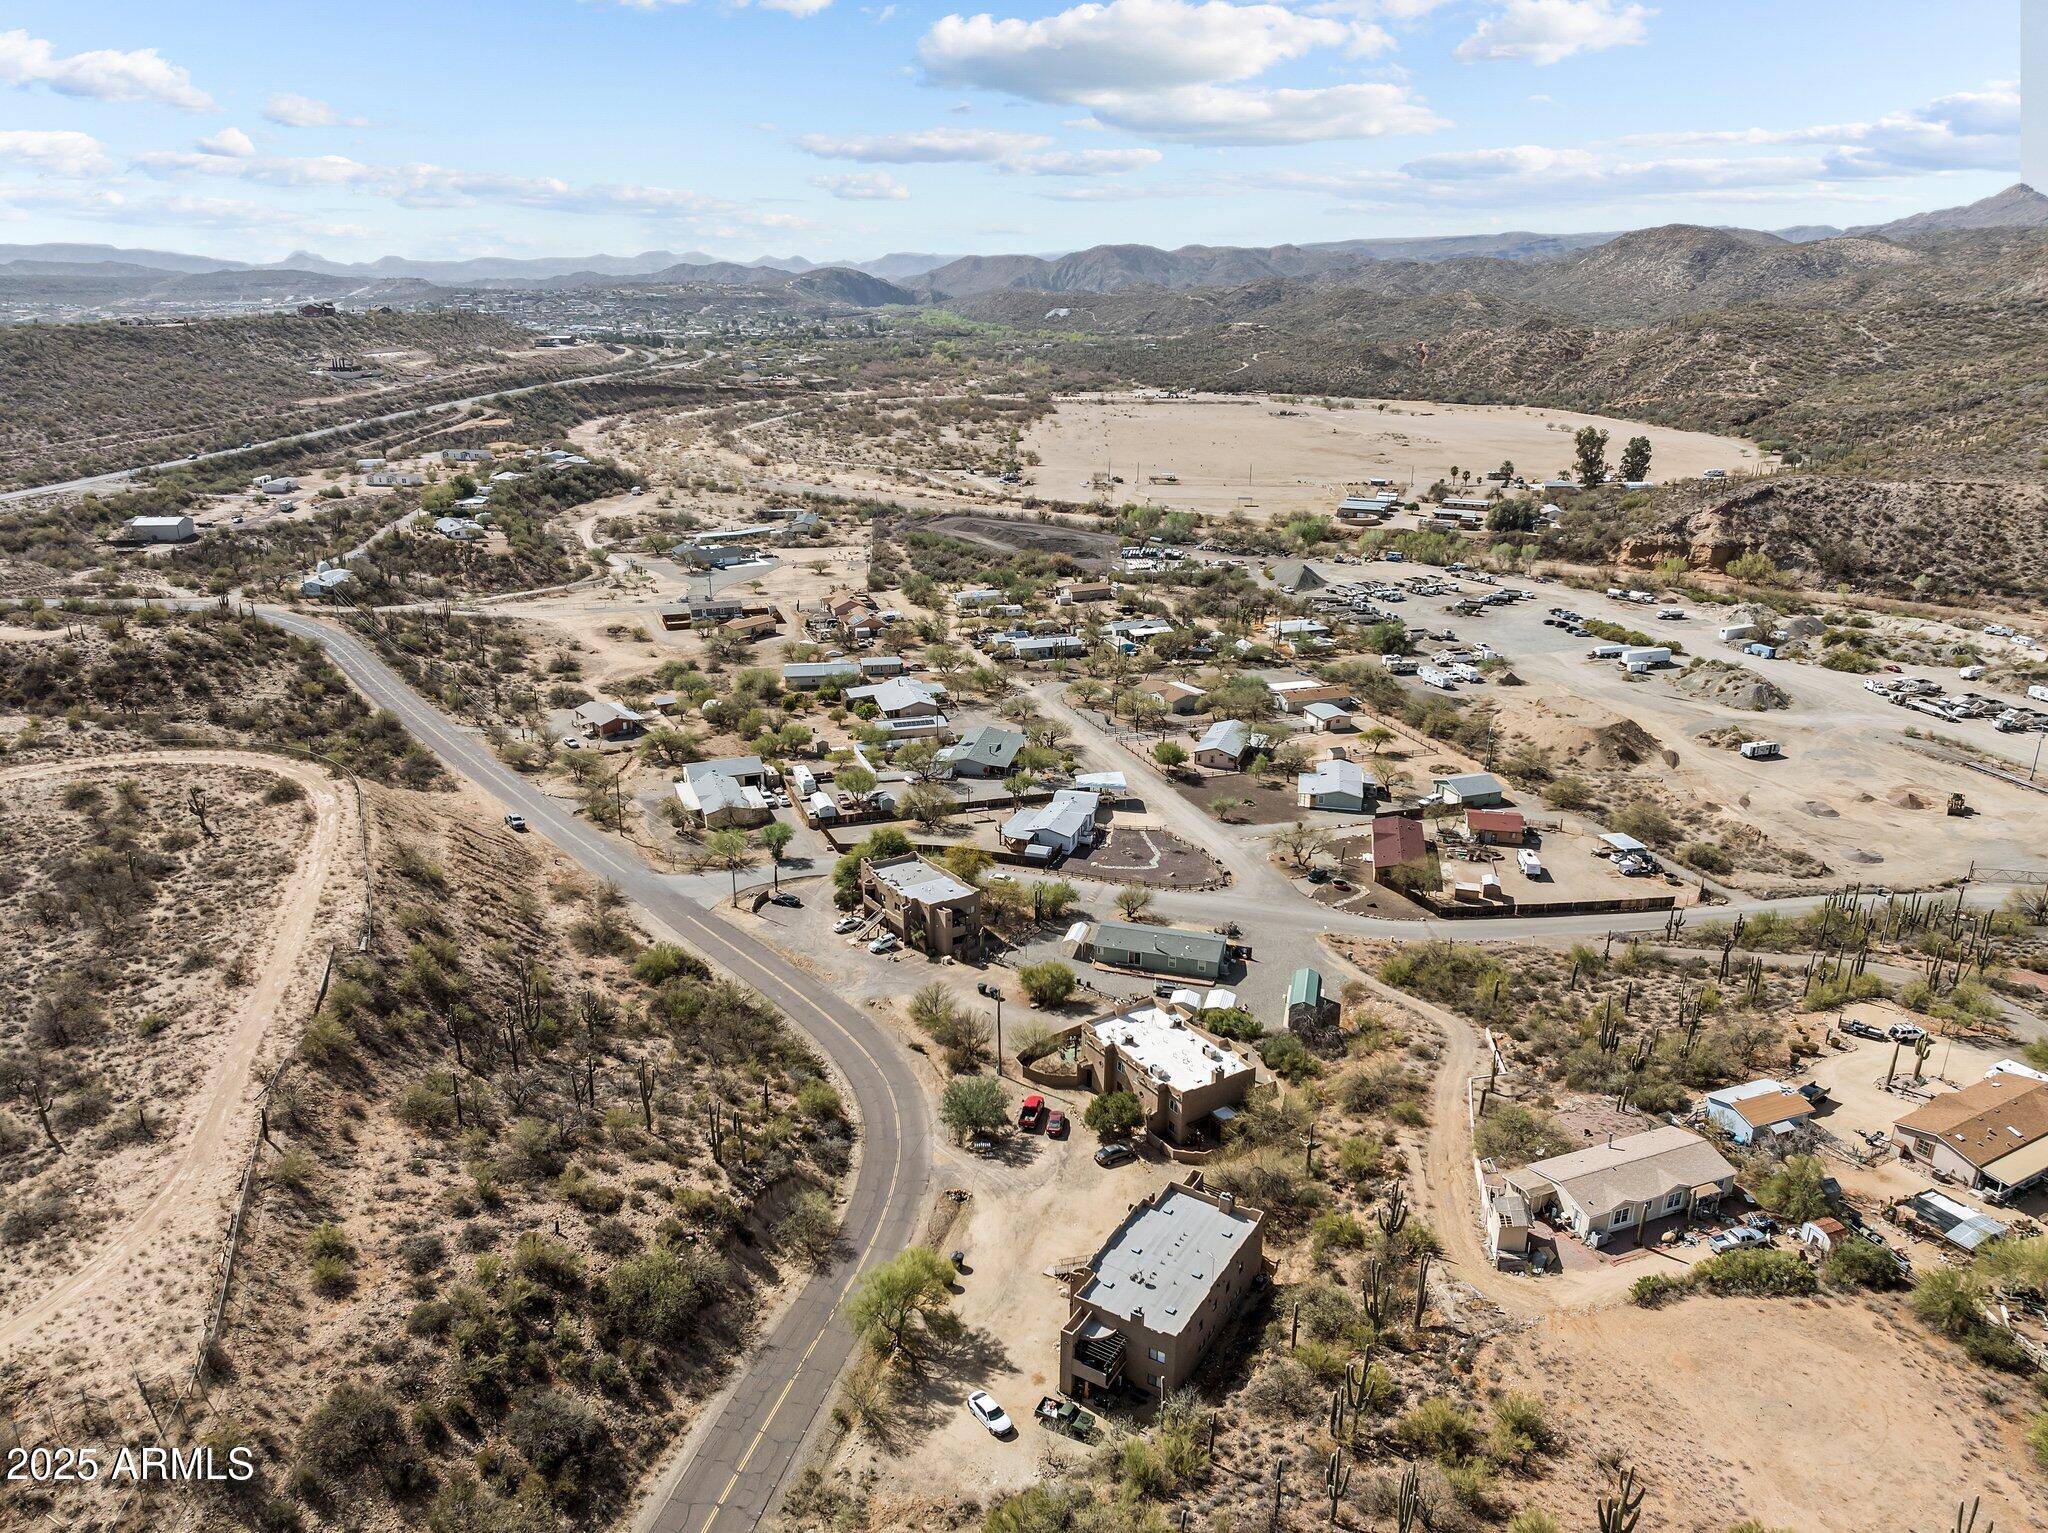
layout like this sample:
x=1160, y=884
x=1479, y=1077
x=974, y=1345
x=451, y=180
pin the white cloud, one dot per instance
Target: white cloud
x=421, y=185
x=54, y=152
x=289, y=109
x=104, y=74
x=1549, y=31
x=1083, y=162
x=863, y=186
x=108, y=204
x=929, y=146
x=1089, y=50
x=1199, y=114
x=232, y=142
x=1174, y=69
x=1024, y=154
x=794, y=7
x=1969, y=130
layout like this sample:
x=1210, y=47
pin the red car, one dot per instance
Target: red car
x=1031, y=1112
x=1056, y=1124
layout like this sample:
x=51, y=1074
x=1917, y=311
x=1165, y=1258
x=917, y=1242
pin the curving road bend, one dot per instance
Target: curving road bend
x=740, y=1453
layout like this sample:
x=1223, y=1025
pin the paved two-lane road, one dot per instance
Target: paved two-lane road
x=739, y=1458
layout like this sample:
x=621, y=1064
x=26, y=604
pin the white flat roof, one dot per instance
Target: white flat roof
x=1166, y=1049
x=916, y=879
x=1165, y=1257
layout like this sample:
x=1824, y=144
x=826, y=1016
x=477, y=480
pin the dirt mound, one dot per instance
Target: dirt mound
x=1624, y=744
x=1732, y=686
x=1905, y=798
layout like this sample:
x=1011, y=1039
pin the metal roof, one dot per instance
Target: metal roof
x=1163, y=941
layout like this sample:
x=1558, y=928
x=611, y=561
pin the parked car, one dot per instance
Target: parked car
x=1735, y=1239
x=1030, y=1112
x=886, y=943
x=785, y=898
x=1115, y=1155
x=982, y=1405
x=1055, y=1124
x=1857, y=1029
x=1905, y=1032
x=845, y=924
x=516, y=821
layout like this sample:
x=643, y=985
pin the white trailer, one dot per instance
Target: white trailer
x=1530, y=863
x=1430, y=676
x=1762, y=750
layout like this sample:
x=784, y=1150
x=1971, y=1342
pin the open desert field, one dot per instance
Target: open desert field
x=163, y=923
x=1232, y=452
x=1790, y=1412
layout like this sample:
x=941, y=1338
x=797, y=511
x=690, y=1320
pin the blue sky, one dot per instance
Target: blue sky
x=841, y=129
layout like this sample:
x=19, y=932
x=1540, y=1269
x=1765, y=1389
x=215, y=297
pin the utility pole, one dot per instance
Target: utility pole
x=999, y=1037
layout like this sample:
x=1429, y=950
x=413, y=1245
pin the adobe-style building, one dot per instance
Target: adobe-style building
x=1165, y=1285
x=1188, y=1084
x=931, y=910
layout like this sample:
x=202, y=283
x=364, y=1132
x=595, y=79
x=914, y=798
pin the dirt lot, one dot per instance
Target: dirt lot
x=1851, y=801
x=1043, y=1204
x=1155, y=858
x=1234, y=453
x=1791, y=1412
x=1005, y=534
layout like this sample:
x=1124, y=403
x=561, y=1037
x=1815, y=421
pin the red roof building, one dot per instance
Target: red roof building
x=1396, y=838
x=1487, y=825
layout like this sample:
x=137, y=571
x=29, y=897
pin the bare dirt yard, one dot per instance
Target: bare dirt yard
x=1795, y=1412
x=1229, y=452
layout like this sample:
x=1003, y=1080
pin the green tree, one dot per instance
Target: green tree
x=1170, y=754
x=1132, y=901
x=1114, y=1114
x=776, y=836
x=928, y=804
x=1635, y=459
x=1514, y=1134
x=1589, y=451
x=1048, y=983
x=730, y=851
x=903, y=1309
x=856, y=781
x=973, y=1104
x=1795, y=1189
x=1857, y=1263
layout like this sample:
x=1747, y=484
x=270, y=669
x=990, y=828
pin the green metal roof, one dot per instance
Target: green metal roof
x=1305, y=989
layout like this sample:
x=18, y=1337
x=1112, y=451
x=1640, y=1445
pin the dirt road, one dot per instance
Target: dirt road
x=211, y=1161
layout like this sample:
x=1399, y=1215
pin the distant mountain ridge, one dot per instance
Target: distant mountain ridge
x=2019, y=206
x=1643, y=272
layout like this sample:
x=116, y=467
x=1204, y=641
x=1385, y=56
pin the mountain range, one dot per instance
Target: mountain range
x=1651, y=267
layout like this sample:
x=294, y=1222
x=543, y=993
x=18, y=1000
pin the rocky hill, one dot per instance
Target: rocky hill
x=1862, y=354
x=1936, y=541
x=2017, y=207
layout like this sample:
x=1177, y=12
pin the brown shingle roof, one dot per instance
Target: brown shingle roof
x=1988, y=1120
